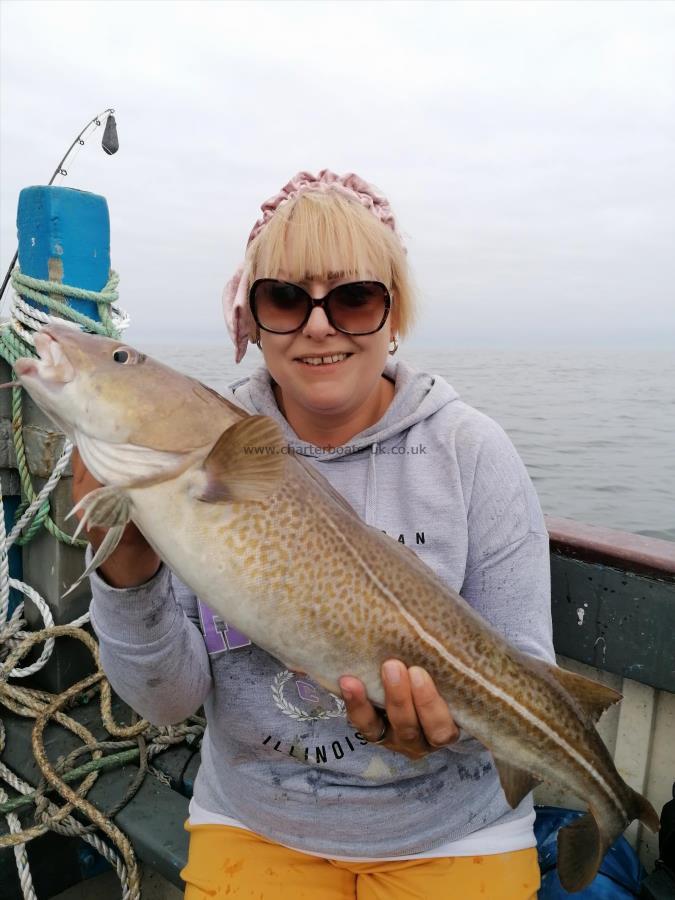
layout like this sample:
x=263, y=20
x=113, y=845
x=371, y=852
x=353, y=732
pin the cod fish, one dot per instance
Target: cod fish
x=265, y=540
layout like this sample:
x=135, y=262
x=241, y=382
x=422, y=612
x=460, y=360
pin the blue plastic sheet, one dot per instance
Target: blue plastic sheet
x=620, y=873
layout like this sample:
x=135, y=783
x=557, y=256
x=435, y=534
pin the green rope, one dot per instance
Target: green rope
x=42, y=516
x=12, y=347
x=36, y=523
x=43, y=292
x=95, y=765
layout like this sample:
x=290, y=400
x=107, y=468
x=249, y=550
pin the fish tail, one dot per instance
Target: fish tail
x=583, y=844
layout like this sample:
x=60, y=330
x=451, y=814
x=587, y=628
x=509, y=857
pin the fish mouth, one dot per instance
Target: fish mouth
x=52, y=367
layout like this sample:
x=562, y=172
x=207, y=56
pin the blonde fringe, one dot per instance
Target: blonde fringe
x=316, y=235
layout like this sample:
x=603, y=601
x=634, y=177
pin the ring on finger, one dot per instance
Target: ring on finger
x=383, y=734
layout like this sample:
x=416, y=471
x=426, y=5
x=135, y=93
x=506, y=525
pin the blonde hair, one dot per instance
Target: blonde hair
x=317, y=234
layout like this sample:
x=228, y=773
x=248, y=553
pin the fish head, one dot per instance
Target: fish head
x=111, y=392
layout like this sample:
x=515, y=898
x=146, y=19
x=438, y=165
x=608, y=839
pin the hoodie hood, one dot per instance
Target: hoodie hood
x=418, y=395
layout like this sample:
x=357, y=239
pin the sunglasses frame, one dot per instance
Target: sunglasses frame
x=320, y=301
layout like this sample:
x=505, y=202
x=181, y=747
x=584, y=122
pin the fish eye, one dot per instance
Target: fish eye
x=121, y=356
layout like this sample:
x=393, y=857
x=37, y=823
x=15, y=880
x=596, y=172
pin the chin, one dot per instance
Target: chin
x=326, y=401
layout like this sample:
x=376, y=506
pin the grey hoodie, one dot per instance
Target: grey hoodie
x=278, y=753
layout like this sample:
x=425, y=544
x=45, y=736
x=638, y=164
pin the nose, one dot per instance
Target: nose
x=318, y=326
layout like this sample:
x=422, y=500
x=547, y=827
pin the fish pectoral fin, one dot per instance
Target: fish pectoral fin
x=580, y=852
x=516, y=783
x=247, y=462
x=593, y=697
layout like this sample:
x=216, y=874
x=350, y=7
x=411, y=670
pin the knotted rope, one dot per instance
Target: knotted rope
x=140, y=740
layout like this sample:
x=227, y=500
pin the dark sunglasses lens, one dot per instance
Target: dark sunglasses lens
x=279, y=306
x=358, y=308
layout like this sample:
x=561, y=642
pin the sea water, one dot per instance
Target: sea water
x=595, y=428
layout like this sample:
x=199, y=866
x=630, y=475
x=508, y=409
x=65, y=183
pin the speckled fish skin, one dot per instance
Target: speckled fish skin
x=301, y=562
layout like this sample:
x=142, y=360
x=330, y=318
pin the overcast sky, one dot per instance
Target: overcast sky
x=527, y=149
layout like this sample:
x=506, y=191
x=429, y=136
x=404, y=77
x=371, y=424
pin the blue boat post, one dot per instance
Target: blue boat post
x=64, y=236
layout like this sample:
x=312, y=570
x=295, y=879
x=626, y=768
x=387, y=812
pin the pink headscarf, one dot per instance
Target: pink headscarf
x=235, y=296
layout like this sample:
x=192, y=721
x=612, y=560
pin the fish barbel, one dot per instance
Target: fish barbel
x=265, y=540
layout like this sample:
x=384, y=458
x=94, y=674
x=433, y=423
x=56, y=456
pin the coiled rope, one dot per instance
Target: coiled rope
x=16, y=340
x=139, y=740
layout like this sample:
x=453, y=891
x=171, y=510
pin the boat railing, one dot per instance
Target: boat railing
x=613, y=605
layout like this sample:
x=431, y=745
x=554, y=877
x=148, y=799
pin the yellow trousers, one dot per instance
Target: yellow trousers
x=234, y=864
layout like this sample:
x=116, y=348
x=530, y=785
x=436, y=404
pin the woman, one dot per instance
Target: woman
x=302, y=794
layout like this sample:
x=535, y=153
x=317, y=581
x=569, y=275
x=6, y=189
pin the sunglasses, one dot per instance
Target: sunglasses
x=360, y=307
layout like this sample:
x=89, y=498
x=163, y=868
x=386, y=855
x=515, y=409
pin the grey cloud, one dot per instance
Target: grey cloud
x=526, y=148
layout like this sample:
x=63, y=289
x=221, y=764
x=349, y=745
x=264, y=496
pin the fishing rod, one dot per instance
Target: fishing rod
x=110, y=144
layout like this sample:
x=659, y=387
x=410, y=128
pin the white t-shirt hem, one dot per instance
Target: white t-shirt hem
x=518, y=834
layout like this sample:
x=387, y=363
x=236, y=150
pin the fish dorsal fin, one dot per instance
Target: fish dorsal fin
x=326, y=487
x=232, y=407
x=516, y=783
x=592, y=696
x=246, y=462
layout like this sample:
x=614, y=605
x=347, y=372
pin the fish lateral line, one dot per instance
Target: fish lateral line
x=525, y=714
x=528, y=716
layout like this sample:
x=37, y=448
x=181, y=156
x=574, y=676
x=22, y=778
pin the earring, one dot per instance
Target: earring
x=395, y=347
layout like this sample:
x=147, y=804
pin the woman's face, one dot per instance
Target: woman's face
x=340, y=390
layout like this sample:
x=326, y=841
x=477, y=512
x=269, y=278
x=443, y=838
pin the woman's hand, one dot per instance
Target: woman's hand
x=417, y=721
x=134, y=561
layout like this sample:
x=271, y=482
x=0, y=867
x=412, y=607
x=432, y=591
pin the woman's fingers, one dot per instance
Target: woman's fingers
x=437, y=724
x=360, y=711
x=400, y=708
x=417, y=718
